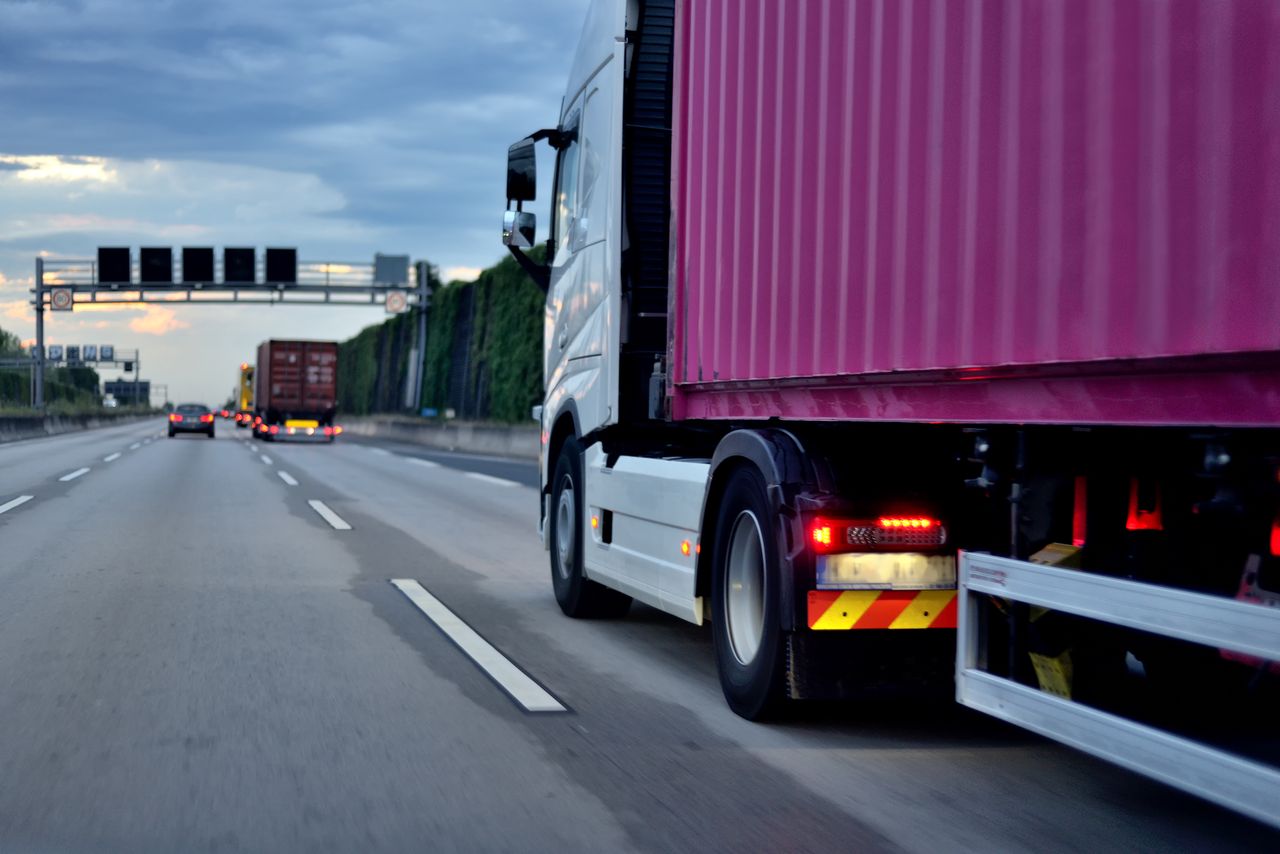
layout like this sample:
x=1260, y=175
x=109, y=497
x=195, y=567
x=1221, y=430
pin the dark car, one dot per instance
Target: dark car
x=191, y=418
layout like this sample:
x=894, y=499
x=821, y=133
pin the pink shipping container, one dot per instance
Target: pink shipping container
x=1054, y=211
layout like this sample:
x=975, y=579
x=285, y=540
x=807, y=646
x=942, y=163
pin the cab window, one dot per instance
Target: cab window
x=566, y=205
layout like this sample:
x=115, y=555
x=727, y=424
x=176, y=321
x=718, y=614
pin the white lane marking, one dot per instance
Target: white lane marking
x=329, y=516
x=518, y=684
x=287, y=478
x=425, y=463
x=73, y=475
x=496, y=481
x=17, y=502
x=266, y=459
x=253, y=447
x=111, y=458
x=146, y=441
x=135, y=446
x=380, y=451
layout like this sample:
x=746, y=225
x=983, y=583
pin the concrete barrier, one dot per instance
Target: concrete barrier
x=504, y=440
x=16, y=427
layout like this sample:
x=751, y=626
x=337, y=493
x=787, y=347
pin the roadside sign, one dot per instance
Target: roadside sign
x=89, y=352
x=107, y=352
x=73, y=352
x=61, y=299
x=396, y=302
x=55, y=352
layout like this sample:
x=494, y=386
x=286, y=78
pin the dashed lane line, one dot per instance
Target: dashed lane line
x=73, y=475
x=266, y=459
x=424, y=463
x=135, y=446
x=488, y=478
x=336, y=521
x=382, y=452
x=287, y=478
x=17, y=502
x=518, y=685
x=111, y=458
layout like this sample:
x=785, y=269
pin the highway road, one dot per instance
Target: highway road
x=201, y=649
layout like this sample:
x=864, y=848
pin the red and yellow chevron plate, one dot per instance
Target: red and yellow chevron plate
x=882, y=609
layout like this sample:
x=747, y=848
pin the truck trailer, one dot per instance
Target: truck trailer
x=915, y=340
x=296, y=390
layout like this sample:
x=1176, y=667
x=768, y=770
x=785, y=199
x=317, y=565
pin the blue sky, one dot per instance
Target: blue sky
x=341, y=128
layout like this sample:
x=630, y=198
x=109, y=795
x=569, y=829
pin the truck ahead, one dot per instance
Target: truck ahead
x=868, y=322
x=296, y=390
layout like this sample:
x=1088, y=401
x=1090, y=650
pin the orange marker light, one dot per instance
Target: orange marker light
x=685, y=548
x=595, y=521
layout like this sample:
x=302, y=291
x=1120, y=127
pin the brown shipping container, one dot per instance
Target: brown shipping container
x=297, y=379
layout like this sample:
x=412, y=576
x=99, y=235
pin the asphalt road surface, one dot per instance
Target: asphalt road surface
x=201, y=649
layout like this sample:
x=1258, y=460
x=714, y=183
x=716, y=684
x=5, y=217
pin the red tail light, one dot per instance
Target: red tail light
x=885, y=533
x=1144, y=518
x=275, y=428
x=175, y=417
x=1080, y=512
x=1275, y=536
x=328, y=431
x=207, y=419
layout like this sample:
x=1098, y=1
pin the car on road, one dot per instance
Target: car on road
x=191, y=418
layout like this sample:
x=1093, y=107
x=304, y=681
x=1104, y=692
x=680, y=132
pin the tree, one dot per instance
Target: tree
x=9, y=343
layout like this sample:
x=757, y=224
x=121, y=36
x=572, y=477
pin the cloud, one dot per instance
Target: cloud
x=157, y=320
x=16, y=309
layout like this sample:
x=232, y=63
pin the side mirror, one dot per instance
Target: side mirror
x=522, y=172
x=518, y=228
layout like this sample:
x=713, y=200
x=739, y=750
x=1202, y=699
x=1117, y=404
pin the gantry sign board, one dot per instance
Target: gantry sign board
x=120, y=274
x=241, y=275
x=104, y=354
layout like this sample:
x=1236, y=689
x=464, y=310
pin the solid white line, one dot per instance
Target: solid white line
x=380, y=451
x=529, y=694
x=17, y=502
x=425, y=463
x=329, y=516
x=111, y=458
x=266, y=459
x=73, y=475
x=135, y=446
x=496, y=481
x=287, y=478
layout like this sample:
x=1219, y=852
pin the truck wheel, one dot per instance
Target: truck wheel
x=745, y=605
x=577, y=595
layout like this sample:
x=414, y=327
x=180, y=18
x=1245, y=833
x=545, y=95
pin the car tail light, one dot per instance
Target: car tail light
x=292, y=430
x=175, y=417
x=1144, y=508
x=275, y=428
x=1275, y=536
x=337, y=431
x=207, y=419
x=883, y=533
x=328, y=431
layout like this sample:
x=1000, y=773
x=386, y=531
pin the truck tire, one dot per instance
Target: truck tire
x=577, y=595
x=745, y=601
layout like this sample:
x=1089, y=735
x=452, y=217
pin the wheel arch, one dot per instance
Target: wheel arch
x=788, y=470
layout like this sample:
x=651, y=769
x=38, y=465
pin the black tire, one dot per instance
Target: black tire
x=210, y=434
x=171, y=434
x=753, y=680
x=577, y=595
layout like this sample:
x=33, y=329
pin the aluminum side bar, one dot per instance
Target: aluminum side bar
x=1239, y=784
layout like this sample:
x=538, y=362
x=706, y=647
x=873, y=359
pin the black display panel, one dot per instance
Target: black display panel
x=197, y=264
x=238, y=266
x=155, y=265
x=113, y=265
x=282, y=265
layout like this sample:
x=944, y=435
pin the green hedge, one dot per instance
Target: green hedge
x=492, y=325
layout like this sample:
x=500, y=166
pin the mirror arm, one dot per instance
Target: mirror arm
x=555, y=137
x=540, y=273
